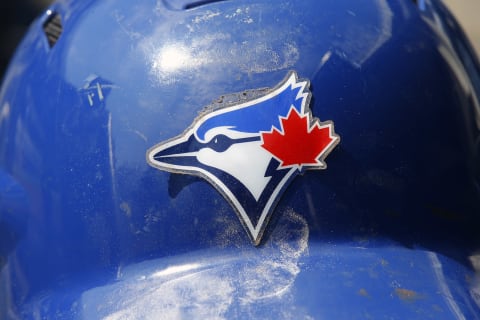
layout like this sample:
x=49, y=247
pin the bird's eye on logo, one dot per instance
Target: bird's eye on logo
x=251, y=151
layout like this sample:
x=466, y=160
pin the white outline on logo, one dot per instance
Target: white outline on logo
x=254, y=232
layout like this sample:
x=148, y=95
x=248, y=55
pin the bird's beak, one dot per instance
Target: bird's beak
x=175, y=153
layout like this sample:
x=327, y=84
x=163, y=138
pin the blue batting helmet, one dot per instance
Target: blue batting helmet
x=241, y=159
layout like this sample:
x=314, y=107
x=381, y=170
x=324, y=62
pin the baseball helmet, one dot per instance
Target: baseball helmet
x=241, y=159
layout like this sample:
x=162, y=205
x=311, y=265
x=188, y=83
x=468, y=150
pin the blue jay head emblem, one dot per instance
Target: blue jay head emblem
x=252, y=150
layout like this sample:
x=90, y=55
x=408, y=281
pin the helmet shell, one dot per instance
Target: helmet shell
x=89, y=230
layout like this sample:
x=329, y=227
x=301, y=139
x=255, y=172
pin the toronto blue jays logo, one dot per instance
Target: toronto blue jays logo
x=250, y=151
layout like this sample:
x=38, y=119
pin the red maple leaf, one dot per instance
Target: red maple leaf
x=300, y=144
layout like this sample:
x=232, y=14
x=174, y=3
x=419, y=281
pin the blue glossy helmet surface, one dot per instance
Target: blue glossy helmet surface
x=109, y=212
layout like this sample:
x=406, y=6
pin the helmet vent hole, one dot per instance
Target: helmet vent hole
x=53, y=28
x=194, y=4
x=420, y=4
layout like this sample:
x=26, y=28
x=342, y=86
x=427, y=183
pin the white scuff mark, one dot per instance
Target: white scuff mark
x=207, y=16
x=110, y=158
x=210, y=40
x=160, y=6
x=119, y=272
x=443, y=286
x=205, y=296
x=210, y=285
x=325, y=58
x=274, y=275
x=242, y=15
x=190, y=28
x=235, y=14
x=5, y=112
x=198, y=52
x=179, y=58
x=263, y=58
x=131, y=34
x=141, y=135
